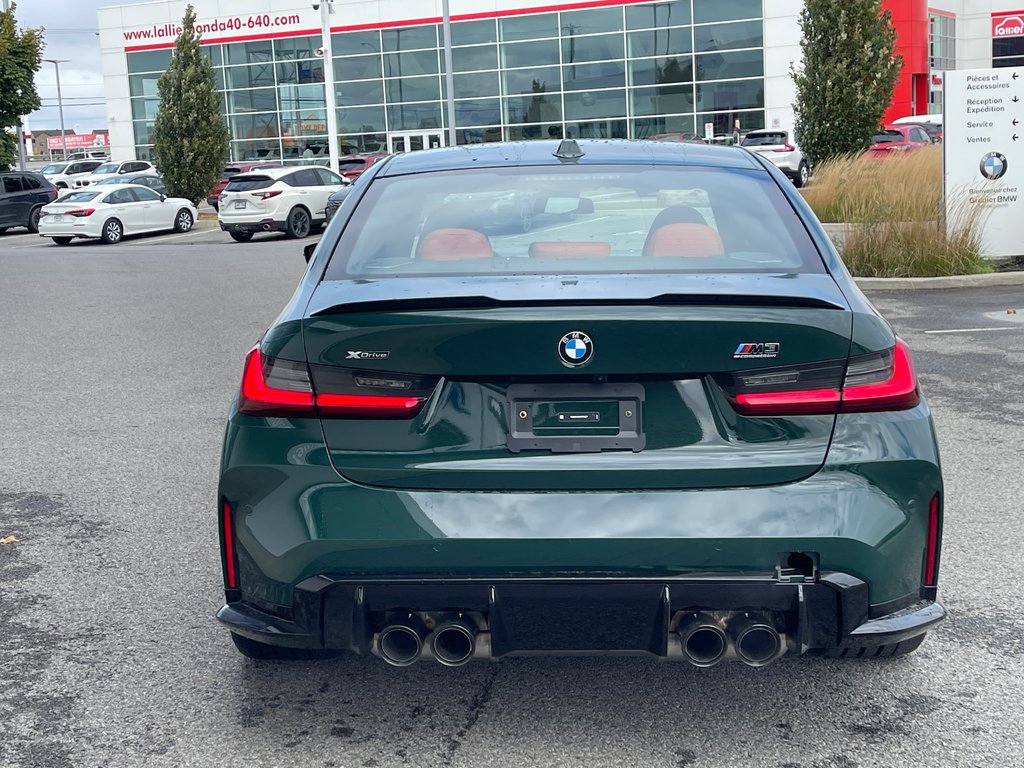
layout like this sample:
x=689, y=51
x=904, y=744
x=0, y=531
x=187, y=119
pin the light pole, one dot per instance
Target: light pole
x=60, y=106
x=326, y=9
x=449, y=76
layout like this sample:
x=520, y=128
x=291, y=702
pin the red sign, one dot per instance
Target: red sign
x=1008, y=24
x=78, y=141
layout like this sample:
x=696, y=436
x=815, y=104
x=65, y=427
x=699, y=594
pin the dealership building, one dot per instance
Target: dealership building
x=598, y=68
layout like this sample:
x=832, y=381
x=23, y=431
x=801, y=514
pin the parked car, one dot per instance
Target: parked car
x=145, y=179
x=213, y=199
x=22, y=197
x=776, y=147
x=109, y=213
x=898, y=138
x=63, y=175
x=932, y=124
x=620, y=435
x=92, y=154
x=334, y=201
x=107, y=170
x=290, y=199
x=351, y=166
x=686, y=137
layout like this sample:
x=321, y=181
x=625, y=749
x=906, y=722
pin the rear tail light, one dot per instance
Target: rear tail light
x=931, y=552
x=227, y=534
x=268, y=194
x=880, y=381
x=80, y=212
x=275, y=387
x=786, y=148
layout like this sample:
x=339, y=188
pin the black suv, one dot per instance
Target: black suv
x=22, y=195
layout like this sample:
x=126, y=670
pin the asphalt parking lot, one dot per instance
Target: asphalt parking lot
x=118, y=365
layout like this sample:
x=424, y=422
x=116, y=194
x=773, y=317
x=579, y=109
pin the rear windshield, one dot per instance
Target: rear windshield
x=887, y=137
x=80, y=197
x=53, y=169
x=246, y=183
x=763, y=139
x=568, y=219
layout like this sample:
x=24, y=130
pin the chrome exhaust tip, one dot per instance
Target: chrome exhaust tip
x=266, y=227
x=756, y=641
x=401, y=644
x=453, y=643
x=704, y=641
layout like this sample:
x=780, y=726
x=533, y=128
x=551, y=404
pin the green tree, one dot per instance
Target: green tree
x=190, y=140
x=847, y=77
x=20, y=59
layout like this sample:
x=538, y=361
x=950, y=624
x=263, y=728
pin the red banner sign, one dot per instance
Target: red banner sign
x=1008, y=24
x=78, y=141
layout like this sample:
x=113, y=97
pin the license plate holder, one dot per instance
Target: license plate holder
x=58, y=217
x=575, y=418
x=239, y=203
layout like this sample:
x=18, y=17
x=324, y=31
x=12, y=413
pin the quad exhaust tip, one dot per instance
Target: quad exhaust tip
x=757, y=643
x=401, y=644
x=453, y=643
x=704, y=641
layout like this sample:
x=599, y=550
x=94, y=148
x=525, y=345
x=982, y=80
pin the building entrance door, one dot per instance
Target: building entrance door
x=411, y=141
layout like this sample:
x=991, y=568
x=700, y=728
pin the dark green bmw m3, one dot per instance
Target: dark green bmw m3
x=596, y=397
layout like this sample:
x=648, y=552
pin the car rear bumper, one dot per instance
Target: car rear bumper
x=263, y=225
x=585, y=615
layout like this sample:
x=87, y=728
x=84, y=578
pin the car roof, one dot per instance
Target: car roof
x=595, y=152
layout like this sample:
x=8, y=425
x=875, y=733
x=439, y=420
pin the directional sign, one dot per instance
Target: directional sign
x=983, y=155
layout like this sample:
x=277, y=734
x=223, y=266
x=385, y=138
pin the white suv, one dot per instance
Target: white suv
x=107, y=170
x=291, y=199
x=775, y=146
x=62, y=175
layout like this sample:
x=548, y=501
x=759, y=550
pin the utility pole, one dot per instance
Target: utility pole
x=449, y=76
x=326, y=9
x=60, y=106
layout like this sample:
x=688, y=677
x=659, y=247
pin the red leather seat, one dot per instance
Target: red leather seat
x=554, y=249
x=689, y=240
x=453, y=244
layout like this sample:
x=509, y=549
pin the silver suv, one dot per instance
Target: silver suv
x=776, y=147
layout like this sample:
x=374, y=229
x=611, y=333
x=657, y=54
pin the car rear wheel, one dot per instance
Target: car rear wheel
x=112, y=232
x=890, y=651
x=254, y=649
x=33, y=219
x=803, y=175
x=183, y=220
x=61, y=240
x=298, y=224
x=241, y=237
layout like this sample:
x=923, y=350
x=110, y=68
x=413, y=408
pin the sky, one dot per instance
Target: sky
x=70, y=33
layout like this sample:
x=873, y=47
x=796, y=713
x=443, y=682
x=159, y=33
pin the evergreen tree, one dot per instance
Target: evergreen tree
x=847, y=78
x=190, y=140
x=20, y=59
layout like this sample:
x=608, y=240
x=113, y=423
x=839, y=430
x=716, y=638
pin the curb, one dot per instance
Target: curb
x=991, y=280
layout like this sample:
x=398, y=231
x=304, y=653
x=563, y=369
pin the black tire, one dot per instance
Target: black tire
x=33, y=220
x=254, y=649
x=803, y=175
x=241, y=236
x=61, y=240
x=112, y=232
x=183, y=220
x=890, y=651
x=299, y=223
x=61, y=185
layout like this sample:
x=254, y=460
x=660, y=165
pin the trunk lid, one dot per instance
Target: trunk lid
x=505, y=411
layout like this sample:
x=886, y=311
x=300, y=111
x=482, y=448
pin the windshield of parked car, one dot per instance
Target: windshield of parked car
x=568, y=219
x=79, y=197
x=887, y=137
x=763, y=139
x=114, y=180
x=53, y=169
x=107, y=168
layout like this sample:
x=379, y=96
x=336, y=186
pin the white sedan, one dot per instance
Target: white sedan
x=110, y=213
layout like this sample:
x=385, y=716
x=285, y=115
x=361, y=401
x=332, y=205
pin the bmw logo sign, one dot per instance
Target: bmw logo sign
x=575, y=349
x=993, y=166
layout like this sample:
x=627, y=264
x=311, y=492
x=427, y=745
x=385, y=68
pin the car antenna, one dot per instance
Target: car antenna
x=569, y=150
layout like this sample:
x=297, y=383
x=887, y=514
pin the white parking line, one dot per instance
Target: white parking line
x=976, y=330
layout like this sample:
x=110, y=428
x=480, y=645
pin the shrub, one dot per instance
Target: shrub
x=893, y=209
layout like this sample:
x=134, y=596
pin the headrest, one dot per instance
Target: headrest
x=697, y=240
x=453, y=244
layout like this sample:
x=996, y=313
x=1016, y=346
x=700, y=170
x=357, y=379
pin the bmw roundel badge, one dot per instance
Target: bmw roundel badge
x=575, y=349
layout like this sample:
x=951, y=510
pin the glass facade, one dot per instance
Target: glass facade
x=621, y=71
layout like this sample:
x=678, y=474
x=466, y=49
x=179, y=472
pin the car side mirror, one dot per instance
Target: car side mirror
x=307, y=250
x=162, y=198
